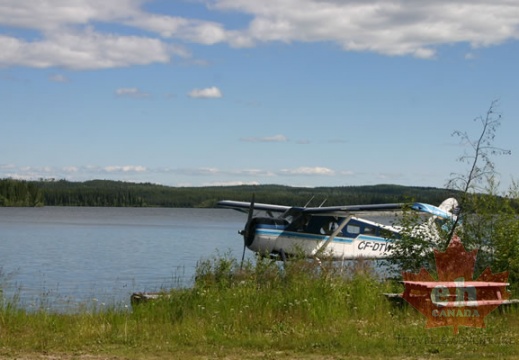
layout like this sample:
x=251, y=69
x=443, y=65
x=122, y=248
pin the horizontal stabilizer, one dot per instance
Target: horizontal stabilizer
x=433, y=210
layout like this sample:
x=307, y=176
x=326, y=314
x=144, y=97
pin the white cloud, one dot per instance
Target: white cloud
x=4, y=167
x=274, y=138
x=58, y=78
x=131, y=92
x=82, y=50
x=140, y=173
x=196, y=171
x=401, y=27
x=71, y=169
x=230, y=183
x=308, y=171
x=338, y=141
x=207, y=93
x=125, y=169
x=218, y=172
x=25, y=172
x=52, y=15
x=254, y=172
x=303, y=142
x=67, y=33
x=192, y=30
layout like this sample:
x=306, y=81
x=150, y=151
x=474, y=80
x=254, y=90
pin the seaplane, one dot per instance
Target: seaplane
x=336, y=232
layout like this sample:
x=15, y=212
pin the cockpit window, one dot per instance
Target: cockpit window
x=353, y=229
x=368, y=230
x=324, y=225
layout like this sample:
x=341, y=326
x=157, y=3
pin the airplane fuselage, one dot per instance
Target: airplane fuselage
x=331, y=236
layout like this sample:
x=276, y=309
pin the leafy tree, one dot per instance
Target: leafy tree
x=489, y=221
x=481, y=169
x=505, y=235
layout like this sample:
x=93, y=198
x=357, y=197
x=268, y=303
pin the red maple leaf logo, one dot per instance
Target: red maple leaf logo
x=454, y=299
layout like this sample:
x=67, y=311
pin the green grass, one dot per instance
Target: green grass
x=264, y=310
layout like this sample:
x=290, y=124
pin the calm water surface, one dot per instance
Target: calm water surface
x=66, y=258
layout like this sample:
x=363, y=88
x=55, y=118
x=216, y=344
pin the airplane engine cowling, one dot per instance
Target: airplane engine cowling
x=267, y=222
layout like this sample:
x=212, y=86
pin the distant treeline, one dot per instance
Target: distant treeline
x=124, y=194
x=20, y=193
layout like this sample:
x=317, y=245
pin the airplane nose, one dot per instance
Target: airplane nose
x=248, y=235
x=249, y=232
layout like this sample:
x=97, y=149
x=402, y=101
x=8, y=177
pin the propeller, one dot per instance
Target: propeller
x=245, y=231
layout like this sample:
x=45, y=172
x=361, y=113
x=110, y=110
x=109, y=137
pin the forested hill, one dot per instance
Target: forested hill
x=117, y=193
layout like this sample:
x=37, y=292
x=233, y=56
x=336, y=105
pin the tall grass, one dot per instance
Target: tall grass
x=302, y=308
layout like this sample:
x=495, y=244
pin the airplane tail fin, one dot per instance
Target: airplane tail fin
x=450, y=205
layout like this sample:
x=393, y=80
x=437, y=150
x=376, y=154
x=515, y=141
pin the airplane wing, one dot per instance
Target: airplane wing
x=422, y=207
x=353, y=208
x=244, y=206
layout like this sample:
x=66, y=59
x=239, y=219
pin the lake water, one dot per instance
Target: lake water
x=67, y=258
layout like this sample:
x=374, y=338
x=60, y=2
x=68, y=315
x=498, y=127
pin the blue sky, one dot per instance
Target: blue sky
x=223, y=92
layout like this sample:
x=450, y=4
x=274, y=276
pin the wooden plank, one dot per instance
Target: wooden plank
x=454, y=284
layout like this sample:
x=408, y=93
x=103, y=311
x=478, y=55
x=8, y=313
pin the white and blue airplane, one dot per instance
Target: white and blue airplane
x=338, y=232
